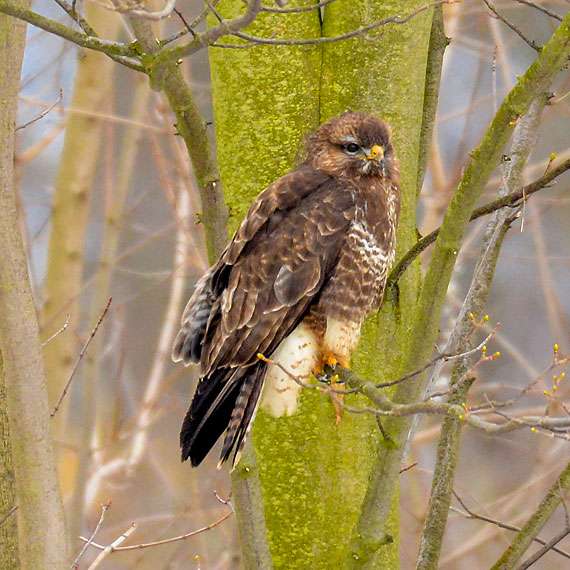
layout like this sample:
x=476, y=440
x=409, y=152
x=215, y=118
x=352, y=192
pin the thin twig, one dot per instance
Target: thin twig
x=540, y=9
x=536, y=521
x=104, y=509
x=165, y=540
x=510, y=25
x=166, y=10
x=62, y=329
x=43, y=113
x=363, y=30
x=119, y=52
x=115, y=545
x=76, y=17
x=550, y=545
x=80, y=358
x=470, y=514
x=510, y=200
x=297, y=10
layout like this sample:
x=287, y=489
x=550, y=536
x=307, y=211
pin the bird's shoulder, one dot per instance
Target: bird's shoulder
x=290, y=196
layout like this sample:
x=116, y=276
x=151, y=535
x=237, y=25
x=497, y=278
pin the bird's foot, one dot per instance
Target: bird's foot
x=325, y=372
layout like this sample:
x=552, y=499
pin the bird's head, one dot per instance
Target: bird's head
x=353, y=145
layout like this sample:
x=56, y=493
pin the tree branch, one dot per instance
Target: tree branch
x=470, y=514
x=535, y=523
x=371, y=531
x=510, y=200
x=121, y=53
x=435, y=523
x=438, y=42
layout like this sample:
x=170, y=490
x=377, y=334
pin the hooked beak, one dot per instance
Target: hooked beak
x=375, y=153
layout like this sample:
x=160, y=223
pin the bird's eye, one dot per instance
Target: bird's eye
x=351, y=148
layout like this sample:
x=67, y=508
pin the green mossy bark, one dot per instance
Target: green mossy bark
x=314, y=474
x=8, y=528
x=266, y=99
x=366, y=75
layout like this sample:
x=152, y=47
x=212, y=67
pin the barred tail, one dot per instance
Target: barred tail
x=224, y=400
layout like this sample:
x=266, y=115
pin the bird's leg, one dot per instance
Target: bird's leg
x=330, y=361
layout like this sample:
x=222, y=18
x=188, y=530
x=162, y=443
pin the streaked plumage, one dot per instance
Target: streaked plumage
x=307, y=265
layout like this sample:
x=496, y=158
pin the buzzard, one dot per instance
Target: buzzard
x=307, y=265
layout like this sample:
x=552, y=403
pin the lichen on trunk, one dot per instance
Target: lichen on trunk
x=314, y=474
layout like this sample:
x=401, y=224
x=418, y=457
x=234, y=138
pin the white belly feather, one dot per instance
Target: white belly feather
x=298, y=353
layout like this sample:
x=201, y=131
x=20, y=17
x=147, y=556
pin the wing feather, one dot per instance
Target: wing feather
x=260, y=289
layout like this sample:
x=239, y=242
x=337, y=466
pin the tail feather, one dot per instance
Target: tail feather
x=226, y=399
x=242, y=417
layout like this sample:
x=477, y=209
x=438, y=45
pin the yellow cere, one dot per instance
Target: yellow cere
x=376, y=151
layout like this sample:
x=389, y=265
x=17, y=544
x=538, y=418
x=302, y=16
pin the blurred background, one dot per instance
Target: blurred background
x=145, y=249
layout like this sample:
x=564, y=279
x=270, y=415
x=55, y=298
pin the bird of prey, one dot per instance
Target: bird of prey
x=307, y=265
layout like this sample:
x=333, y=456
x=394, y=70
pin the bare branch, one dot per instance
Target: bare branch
x=76, y=17
x=8, y=515
x=233, y=27
x=535, y=523
x=511, y=26
x=115, y=545
x=510, y=200
x=396, y=20
x=470, y=514
x=168, y=8
x=62, y=329
x=121, y=53
x=540, y=9
x=550, y=545
x=104, y=509
x=297, y=10
x=116, y=548
x=43, y=113
x=80, y=358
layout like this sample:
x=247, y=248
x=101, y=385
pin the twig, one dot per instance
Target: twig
x=116, y=548
x=444, y=357
x=76, y=17
x=167, y=9
x=470, y=514
x=535, y=523
x=104, y=509
x=115, y=545
x=546, y=548
x=510, y=200
x=58, y=332
x=80, y=357
x=500, y=17
x=43, y=113
x=540, y=9
x=396, y=20
x=233, y=27
x=408, y=467
x=121, y=53
x=297, y=10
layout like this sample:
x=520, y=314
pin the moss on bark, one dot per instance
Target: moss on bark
x=314, y=474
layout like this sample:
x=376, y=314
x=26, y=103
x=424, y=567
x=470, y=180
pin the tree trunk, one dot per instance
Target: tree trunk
x=78, y=161
x=313, y=473
x=12, y=40
x=41, y=528
x=8, y=528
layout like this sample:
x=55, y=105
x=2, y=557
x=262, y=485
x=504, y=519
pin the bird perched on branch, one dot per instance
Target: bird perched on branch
x=307, y=265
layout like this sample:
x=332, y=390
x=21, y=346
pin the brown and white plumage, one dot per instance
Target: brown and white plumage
x=306, y=266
